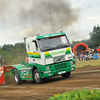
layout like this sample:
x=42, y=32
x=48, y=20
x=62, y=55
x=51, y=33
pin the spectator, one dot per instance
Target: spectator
x=95, y=50
x=82, y=56
x=90, y=51
x=78, y=54
x=86, y=52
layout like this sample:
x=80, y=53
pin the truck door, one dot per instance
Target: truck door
x=34, y=54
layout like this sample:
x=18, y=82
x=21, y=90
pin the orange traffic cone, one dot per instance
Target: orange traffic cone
x=2, y=80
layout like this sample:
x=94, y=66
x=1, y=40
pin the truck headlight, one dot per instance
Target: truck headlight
x=47, y=68
x=71, y=62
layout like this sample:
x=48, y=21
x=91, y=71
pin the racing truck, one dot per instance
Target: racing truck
x=47, y=55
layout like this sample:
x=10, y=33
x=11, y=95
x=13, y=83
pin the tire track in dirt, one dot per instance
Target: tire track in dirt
x=80, y=79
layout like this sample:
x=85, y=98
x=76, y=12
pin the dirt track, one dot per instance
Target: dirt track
x=80, y=79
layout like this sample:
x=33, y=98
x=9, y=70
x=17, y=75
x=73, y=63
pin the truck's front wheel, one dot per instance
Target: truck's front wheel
x=36, y=77
x=16, y=77
x=66, y=75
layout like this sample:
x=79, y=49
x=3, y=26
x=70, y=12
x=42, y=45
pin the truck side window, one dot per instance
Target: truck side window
x=35, y=44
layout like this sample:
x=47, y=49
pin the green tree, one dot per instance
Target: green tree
x=95, y=36
x=13, y=54
x=7, y=48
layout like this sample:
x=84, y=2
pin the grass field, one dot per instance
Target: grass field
x=87, y=63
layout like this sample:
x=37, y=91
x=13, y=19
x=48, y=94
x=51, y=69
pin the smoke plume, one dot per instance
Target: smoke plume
x=36, y=14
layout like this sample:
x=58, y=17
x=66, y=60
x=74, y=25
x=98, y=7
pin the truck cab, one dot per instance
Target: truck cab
x=48, y=55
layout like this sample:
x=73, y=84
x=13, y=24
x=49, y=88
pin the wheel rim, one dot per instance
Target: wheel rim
x=37, y=77
x=16, y=79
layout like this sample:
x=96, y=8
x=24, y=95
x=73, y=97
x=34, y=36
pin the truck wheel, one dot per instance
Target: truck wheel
x=16, y=77
x=66, y=75
x=87, y=58
x=36, y=77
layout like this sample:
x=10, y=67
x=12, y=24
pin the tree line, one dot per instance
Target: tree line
x=93, y=41
x=12, y=54
x=15, y=54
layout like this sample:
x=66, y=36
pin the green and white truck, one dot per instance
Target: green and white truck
x=48, y=55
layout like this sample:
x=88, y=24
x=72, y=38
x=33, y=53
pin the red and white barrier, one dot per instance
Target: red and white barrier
x=4, y=69
x=2, y=79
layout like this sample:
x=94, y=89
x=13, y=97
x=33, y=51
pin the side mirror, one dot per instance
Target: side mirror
x=70, y=40
x=33, y=47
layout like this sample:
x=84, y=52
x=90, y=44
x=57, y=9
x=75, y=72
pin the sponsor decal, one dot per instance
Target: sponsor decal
x=68, y=51
x=28, y=47
x=27, y=76
x=46, y=36
x=25, y=68
x=50, y=35
x=34, y=55
x=58, y=52
x=24, y=72
x=23, y=76
x=47, y=54
x=72, y=65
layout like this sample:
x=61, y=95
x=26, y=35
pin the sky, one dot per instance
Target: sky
x=25, y=18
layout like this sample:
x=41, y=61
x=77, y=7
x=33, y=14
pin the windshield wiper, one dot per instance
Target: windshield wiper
x=61, y=45
x=48, y=47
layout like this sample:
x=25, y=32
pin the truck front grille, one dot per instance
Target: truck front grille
x=59, y=59
x=60, y=66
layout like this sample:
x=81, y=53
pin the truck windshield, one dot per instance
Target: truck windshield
x=47, y=44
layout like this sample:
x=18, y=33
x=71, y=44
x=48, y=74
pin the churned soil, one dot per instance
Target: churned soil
x=80, y=79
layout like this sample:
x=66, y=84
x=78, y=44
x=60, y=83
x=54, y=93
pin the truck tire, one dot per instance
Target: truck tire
x=16, y=77
x=36, y=77
x=87, y=58
x=66, y=75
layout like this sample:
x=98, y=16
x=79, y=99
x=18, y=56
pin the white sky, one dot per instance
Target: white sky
x=89, y=16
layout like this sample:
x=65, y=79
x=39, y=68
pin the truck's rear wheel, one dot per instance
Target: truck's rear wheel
x=36, y=77
x=66, y=75
x=16, y=77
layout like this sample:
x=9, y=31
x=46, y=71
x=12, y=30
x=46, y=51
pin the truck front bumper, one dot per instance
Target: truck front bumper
x=59, y=68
